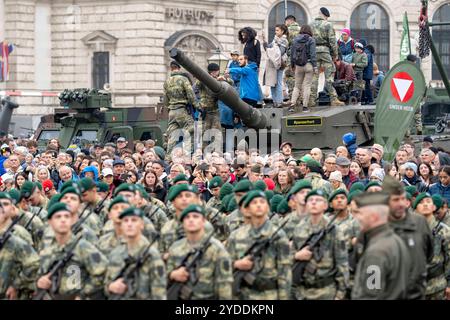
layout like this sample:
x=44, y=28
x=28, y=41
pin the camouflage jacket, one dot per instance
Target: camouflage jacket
x=81, y=276
x=293, y=220
x=273, y=267
x=360, y=61
x=325, y=37
x=49, y=236
x=217, y=220
x=173, y=231
x=234, y=220
x=156, y=215
x=212, y=276
x=349, y=227
x=439, y=268
x=294, y=30
x=108, y=242
x=178, y=91
x=42, y=213
x=333, y=262
x=149, y=281
x=318, y=183
x=19, y=264
x=214, y=202
x=93, y=221
x=149, y=229
x=207, y=102
x=35, y=228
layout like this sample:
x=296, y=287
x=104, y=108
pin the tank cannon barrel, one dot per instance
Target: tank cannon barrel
x=251, y=117
x=5, y=115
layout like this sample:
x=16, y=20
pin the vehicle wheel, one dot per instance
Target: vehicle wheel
x=353, y=101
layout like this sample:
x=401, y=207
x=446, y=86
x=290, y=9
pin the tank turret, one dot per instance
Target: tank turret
x=251, y=117
x=8, y=107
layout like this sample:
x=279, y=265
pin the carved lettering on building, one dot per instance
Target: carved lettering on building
x=191, y=15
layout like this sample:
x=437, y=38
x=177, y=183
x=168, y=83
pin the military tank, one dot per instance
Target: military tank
x=323, y=127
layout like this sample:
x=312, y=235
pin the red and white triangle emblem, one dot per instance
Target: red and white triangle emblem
x=402, y=87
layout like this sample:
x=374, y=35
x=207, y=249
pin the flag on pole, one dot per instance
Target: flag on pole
x=5, y=51
x=405, y=44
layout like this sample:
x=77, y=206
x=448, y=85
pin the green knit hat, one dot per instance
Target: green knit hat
x=102, y=186
x=15, y=196
x=192, y=208
x=260, y=185
x=175, y=190
x=116, y=200
x=357, y=186
x=283, y=207
x=438, y=201
x=243, y=186
x=275, y=201
x=180, y=177
x=227, y=188
x=336, y=193
x=57, y=207
x=299, y=186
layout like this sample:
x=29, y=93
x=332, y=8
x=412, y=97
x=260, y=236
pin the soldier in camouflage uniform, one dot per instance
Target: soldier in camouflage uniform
x=287, y=218
x=19, y=262
x=326, y=52
x=104, y=193
x=272, y=270
x=150, y=278
x=181, y=196
x=441, y=212
x=132, y=195
x=214, y=187
x=235, y=219
x=35, y=225
x=12, y=215
x=349, y=226
x=326, y=276
x=296, y=198
x=82, y=276
x=294, y=29
x=31, y=193
x=211, y=276
x=315, y=178
x=91, y=200
x=178, y=94
x=110, y=240
x=70, y=196
x=438, y=270
x=151, y=211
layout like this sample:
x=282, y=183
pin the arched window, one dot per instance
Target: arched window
x=277, y=15
x=441, y=38
x=370, y=22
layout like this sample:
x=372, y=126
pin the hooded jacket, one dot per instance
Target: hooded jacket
x=443, y=191
x=249, y=87
x=368, y=71
x=252, y=47
x=90, y=169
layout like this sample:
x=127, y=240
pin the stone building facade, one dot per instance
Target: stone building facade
x=79, y=43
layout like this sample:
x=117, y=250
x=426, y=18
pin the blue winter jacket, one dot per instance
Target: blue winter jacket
x=346, y=49
x=438, y=188
x=236, y=77
x=2, y=168
x=90, y=169
x=249, y=86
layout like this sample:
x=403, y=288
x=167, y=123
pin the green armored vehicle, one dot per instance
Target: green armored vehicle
x=88, y=118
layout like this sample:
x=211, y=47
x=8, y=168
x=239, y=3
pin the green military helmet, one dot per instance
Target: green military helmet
x=438, y=201
x=260, y=185
x=69, y=183
x=175, y=190
x=192, y=208
x=54, y=199
x=275, y=201
x=283, y=207
x=116, y=200
x=86, y=184
x=57, y=207
x=357, y=186
x=27, y=189
x=243, y=186
x=15, y=196
x=124, y=187
x=253, y=195
x=215, y=182
x=102, y=186
x=227, y=188
x=180, y=177
x=131, y=211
